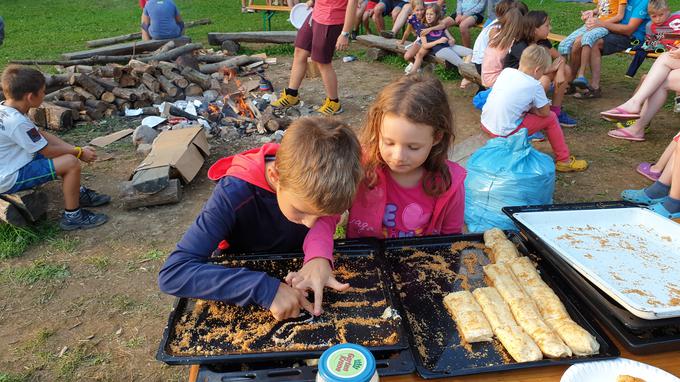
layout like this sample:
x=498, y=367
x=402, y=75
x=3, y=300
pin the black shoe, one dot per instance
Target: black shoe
x=84, y=220
x=387, y=34
x=353, y=35
x=90, y=198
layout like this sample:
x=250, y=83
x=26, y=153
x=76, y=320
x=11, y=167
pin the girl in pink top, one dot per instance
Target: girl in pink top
x=410, y=188
x=500, y=42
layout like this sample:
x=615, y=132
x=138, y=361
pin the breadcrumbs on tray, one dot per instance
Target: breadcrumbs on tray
x=461, y=245
x=636, y=291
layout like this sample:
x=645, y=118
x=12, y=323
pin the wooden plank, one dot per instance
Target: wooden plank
x=131, y=198
x=278, y=37
x=108, y=139
x=125, y=48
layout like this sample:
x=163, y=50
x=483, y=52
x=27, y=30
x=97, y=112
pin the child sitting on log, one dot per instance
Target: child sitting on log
x=264, y=201
x=29, y=157
x=161, y=20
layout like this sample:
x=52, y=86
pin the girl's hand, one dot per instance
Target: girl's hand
x=288, y=301
x=452, y=41
x=315, y=275
x=425, y=32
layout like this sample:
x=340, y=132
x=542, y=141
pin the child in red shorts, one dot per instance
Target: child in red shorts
x=325, y=30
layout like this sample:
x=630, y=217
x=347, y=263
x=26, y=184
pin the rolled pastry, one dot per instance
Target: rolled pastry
x=525, y=311
x=504, y=251
x=494, y=307
x=472, y=324
x=552, y=309
x=578, y=339
x=520, y=346
x=493, y=235
x=504, y=281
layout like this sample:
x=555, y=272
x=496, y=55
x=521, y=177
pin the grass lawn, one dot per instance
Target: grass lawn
x=42, y=29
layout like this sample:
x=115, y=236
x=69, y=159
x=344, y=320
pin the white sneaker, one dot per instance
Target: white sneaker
x=408, y=68
x=677, y=105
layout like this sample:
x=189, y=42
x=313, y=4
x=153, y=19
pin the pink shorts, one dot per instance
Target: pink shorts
x=318, y=39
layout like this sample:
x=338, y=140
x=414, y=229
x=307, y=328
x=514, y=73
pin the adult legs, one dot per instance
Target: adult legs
x=575, y=56
x=378, y=17
x=330, y=80
x=464, y=27
x=596, y=64
x=653, y=103
x=401, y=18
x=660, y=72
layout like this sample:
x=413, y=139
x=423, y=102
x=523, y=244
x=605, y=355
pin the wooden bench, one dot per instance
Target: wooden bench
x=268, y=11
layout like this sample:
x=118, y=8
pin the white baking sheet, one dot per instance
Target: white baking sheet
x=602, y=371
x=632, y=254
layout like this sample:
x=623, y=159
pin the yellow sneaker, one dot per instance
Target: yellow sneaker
x=572, y=166
x=330, y=108
x=286, y=100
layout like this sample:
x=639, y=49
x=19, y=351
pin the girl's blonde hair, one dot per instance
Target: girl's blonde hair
x=415, y=3
x=437, y=13
x=421, y=100
x=511, y=29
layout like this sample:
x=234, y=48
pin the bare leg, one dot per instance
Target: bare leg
x=464, y=27
x=585, y=61
x=660, y=164
x=400, y=20
x=419, y=59
x=378, y=17
x=675, y=176
x=575, y=57
x=650, y=108
x=68, y=168
x=330, y=80
x=596, y=64
x=659, y=72
x=297, y=72
x=410, y=54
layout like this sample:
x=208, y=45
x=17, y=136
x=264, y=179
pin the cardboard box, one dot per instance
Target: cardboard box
x=183, y=151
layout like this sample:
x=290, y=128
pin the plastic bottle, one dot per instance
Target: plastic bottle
x=347, y=363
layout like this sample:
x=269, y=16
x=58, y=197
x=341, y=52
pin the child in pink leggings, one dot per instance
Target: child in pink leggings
x=517, y=100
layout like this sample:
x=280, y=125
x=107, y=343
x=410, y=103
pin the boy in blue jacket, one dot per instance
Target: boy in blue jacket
x=266, y=200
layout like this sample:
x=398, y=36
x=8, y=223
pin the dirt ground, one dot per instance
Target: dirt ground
x=105, y=320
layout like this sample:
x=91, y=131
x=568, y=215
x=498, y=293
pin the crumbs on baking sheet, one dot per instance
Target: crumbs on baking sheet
x=636, y=291
x=588, y=256
x=667, y=238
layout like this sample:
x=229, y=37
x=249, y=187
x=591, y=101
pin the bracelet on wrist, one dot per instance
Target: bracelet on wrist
x=80, y=151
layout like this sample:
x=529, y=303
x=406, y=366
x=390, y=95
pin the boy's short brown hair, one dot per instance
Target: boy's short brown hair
x=535, y=56
x=17, y=81
x=320, y=160
x=658, y=5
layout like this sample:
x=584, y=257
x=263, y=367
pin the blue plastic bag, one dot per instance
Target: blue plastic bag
x=505, y=172
x=479, y=99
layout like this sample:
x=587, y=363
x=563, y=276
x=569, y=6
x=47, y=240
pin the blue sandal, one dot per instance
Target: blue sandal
x=661, y=210
x=580, y=82
x=640, y=197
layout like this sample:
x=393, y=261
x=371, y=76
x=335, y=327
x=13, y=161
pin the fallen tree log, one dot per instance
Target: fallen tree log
x=278, y=37
x=230, y=63
x=124, y=48
x=172, y=53
x=94, y=60
x=136, y=36
x=391, y=46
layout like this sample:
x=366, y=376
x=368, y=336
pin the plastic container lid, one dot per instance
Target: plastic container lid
x=347, y=363
x=298, y=15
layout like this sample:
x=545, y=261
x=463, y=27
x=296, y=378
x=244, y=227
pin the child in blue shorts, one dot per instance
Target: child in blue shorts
x=29, y=157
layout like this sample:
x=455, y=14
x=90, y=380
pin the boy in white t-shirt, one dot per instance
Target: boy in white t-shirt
x=517, y=100
x=29, y=157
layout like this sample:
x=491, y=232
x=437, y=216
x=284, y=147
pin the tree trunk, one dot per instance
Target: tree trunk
x=261, y=37
x=131, y=198
x=58, y=118
x=38, y=116
x=124, y=48
x=167, y=86
x=229, y=63
x=87, y=83
x=150, y=82
x=84, y=93
x=193, y=90
x=135, y=36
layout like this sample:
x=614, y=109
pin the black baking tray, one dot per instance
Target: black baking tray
x=604, y=302
x=365, y=253
x=435, y=342
x=387, y=363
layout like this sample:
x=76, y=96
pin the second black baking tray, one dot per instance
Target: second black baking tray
x=209, y=332
x=425, y=270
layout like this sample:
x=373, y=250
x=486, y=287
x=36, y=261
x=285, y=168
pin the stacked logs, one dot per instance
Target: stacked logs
x=91, y=93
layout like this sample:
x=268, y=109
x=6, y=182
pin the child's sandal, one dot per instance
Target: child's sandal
x=590, y=93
